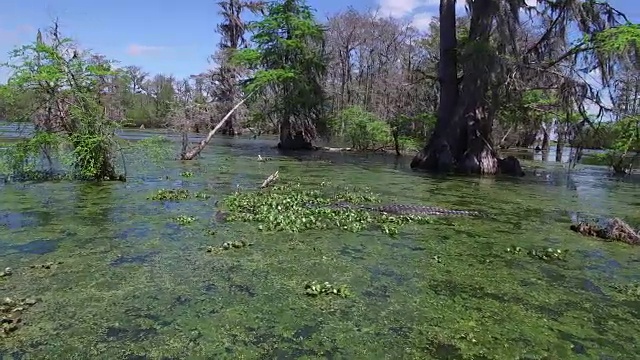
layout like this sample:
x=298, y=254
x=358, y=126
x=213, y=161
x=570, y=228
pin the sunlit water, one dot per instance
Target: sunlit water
x=133, y=284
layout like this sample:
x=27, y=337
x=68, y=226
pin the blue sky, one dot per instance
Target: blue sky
x=171, y=37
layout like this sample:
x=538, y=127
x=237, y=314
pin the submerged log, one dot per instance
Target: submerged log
x=614, y=230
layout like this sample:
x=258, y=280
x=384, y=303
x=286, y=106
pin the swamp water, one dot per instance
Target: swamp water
x=128, y=282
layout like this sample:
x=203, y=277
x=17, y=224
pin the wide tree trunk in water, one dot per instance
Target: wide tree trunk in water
x=562, y=134
x=291, y=139
x=437, y=154
x=228, y=128
x=462, y=139
x=545, y=139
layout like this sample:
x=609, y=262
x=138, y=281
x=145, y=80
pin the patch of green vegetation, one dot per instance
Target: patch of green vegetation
x=546, y=254
x=632, y=290
x=293, y=208
x=227, y=245
x=177, y=195
x=186, y=174
x=446, y=290
x=201, y=195
x=314, y=289
x=185, y=219
x=171, y=195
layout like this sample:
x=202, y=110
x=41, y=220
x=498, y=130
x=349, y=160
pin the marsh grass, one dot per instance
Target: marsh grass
x=134, y=284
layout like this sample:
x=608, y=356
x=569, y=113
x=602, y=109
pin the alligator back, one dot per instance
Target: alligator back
x=404, y=209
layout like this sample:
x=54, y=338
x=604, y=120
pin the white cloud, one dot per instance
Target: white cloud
x=421, y=21
x=420, y=8
x=398, y=8
x=417, y=8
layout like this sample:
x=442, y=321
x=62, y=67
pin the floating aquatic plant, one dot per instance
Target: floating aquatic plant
x=314, y=289
x=229, y=245
x=184, y=219
x=546, y=254
x=632, y=290
x=294, y=209
x=177, y=195
x=186, y=174
x=47, y=265
x=201, y=195
x=171, y=194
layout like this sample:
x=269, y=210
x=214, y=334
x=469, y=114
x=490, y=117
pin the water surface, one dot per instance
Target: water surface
x=133, y=284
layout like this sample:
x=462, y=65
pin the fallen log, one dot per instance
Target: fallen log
x=614, y=230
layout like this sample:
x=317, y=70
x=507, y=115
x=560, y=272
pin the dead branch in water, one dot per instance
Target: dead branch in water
x=270, y=180
x=196, y=150
x=615, y=230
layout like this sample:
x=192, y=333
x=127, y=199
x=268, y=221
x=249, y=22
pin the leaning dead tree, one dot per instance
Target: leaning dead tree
x=193, y=110
x=462, y=140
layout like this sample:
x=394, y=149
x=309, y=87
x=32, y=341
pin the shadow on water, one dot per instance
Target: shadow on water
x=135, y=284
x=34, y=247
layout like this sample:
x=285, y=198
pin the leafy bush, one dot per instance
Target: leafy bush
x=620, y=154
x=362, y=129
x=69, y=107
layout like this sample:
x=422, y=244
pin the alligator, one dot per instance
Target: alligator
x=394, y=209
x=402, y=209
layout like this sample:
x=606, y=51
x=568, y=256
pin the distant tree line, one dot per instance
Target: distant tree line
x=504, y=75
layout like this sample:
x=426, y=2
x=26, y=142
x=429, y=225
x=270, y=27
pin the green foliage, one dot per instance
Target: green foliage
x=618, y=39
x=171, y=195
x=361, y=128
x=293, y=209
x=545, y=254
x=314, y=288
x=149, y=106
x=532, y=107
x=413, y=131
x=626, y=140
x=67, y=92
x=228, y=245
x=184, y=219
x=177, y=195
x=27, y=155
x=625, y=132
x=288, y=58
x=155, y=149
x=628, y=290
x=14, y=106
x=601, y=136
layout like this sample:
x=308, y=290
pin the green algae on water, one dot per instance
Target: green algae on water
x=292, y=208
x=177, y=195
x=134, y=285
